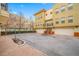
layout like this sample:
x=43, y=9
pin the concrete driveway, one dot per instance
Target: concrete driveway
x=57, y=45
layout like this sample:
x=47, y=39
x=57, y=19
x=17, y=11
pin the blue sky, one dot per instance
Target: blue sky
x=28, y=9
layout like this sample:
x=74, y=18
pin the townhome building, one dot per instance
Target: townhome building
x=66, y=19
x=62, y=19
x=49, y=24
x=40, y=21
x=4, y=15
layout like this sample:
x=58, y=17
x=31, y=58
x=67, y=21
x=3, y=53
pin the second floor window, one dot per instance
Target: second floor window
x=57, y=22
x=63, y=20
x=70, y=19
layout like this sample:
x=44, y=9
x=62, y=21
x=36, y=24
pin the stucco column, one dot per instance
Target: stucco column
x=0, y=31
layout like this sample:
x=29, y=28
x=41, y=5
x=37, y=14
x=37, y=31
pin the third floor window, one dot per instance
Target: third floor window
x=62, y=9
x=57, y=11
x=50, y=12
x=70, y=6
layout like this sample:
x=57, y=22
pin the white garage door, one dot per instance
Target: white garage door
x=64, y=32
x=41, y=31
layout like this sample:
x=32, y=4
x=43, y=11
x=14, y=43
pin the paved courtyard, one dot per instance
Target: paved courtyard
x=9, y=48
x=56, y=45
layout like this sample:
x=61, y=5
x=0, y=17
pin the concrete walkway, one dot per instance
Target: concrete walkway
x=58, y=45
x=9, y=48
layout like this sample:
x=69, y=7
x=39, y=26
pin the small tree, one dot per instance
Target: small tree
x=0, y=28
x=15, y=29
x=20, y=21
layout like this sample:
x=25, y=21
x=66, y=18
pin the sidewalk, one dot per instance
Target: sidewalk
x=9, y=48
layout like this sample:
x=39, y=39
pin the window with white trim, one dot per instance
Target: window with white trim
x=70, y=19
x=57, y=11
x=62, y=9
x=70, y=6
x=62, y=20
x=57, y=22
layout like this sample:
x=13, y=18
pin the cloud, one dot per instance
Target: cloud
x=14, y=12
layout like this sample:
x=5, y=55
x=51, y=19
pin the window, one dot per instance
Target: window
x=57, y=11
x=62, y=9
x=70, y=19
x=63, y=20
x=47, y=24
x=39, y=17
x=50, y=12
x=57, y=22
x=70, y=6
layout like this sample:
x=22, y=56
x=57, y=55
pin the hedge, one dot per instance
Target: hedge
x=17, y=32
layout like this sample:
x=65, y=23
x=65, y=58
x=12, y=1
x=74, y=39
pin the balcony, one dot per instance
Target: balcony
x=4, y=13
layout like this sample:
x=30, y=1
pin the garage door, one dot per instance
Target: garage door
x=41, y=31
x=64, y=32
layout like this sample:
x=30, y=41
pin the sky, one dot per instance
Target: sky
x=28, y=9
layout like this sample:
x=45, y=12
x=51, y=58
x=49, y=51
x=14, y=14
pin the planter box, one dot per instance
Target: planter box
x=76, y=34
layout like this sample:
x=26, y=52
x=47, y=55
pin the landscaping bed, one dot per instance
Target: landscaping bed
x=17, y=32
